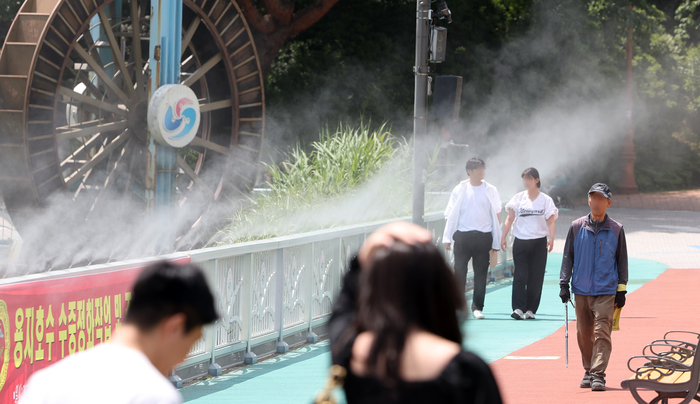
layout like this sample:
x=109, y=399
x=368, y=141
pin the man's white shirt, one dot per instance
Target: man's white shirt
x=455, y=206
x=107, y=374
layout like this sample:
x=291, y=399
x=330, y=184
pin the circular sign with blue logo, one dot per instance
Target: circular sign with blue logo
x=173, y=115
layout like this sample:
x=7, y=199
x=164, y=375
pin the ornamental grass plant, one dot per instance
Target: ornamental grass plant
x=352, y=174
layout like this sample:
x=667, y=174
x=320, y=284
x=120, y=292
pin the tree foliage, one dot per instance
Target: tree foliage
x=8, y=10
x=516, y=56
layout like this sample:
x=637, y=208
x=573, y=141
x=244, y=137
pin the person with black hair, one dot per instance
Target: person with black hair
x=395, y=327
x=474, y=227
x=532, y=215
x=169, y=306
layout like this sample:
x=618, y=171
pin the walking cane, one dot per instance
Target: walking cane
x=566, y=328
x=566, y=332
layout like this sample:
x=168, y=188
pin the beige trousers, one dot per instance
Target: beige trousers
x=594, y=319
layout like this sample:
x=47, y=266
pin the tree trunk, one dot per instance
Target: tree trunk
x=271, y=29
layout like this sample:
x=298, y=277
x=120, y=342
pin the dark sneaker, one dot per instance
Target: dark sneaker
x=598, y=384
x=586, y=382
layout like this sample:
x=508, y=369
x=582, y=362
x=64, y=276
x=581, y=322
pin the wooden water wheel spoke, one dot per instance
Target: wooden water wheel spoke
x=91, y=46
x=86, y=124
x=116, y=166
x=84, y=147
x=82, y=116
x=190, y=173
x=203, y=69
x=98, y=157
x=136, y=44
x=80, y=98
x=105, y=127
x=116, y=52
x=212, y=106
x=83, y=182
x=84, y=79
x=190, y=33
x=186, y=64
x=209, y=145
x=106, y=79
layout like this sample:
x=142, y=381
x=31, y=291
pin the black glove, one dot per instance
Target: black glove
x=620, y=299
x=565, y=294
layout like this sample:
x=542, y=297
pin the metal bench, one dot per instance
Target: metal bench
x=670, y=368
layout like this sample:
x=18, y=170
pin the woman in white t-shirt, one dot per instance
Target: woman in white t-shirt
x=534, y=214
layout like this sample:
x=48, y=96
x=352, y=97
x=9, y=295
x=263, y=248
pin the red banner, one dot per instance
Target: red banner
x=42, y=322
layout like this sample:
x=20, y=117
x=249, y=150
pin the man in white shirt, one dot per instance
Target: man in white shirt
x=169, y=305
x=473, y=226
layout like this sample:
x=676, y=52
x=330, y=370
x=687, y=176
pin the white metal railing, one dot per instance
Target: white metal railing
x=269, y=289
x=266, y=290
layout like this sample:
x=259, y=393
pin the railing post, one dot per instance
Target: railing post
x=311, y=337
x=175, y=379
x=282, y=346
x=247, y=300
x=338, y=281
x=210, y=268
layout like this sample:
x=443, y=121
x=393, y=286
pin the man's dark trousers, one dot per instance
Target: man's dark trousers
x=476, y=245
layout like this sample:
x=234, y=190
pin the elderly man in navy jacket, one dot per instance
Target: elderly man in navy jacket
x=595, y=261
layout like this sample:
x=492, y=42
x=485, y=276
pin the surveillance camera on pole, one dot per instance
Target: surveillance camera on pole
x=430, y=47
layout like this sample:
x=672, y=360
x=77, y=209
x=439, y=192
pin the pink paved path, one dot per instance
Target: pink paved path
x=670, y=302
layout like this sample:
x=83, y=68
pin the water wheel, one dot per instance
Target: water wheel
x=74, y=80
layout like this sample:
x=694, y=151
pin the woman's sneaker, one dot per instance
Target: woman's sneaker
x=586, y=382
x=518, y=314
x=478, y=314
x=529, y=315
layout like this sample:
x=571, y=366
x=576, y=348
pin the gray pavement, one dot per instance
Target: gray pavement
x=669, y=237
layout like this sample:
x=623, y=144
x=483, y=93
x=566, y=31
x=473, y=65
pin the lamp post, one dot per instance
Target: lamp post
x=420, y=109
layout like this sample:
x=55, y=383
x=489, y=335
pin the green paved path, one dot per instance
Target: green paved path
x=498, y=335
x=296, y=376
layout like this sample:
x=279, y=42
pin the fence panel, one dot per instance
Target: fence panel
x=323, y=280
x=297, y=261
x=262, y=311
x=228, y=295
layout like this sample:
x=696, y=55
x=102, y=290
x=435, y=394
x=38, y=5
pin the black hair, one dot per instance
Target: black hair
x=475, y=163
x=406, y=287
x=532, y=172
x=165, y=289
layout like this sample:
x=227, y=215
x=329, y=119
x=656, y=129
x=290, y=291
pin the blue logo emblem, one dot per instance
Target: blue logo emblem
x=182, y=122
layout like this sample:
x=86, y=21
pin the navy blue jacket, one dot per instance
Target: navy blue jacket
x=594, y=262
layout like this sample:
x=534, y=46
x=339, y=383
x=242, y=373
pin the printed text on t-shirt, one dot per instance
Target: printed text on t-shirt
x=530, y=212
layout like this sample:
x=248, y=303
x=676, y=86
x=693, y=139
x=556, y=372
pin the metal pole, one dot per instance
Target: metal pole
x=420, y=110
x=164, y=62
x=566, y=332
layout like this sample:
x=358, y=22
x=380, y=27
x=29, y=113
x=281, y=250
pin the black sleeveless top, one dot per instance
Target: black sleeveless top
x=465, y=379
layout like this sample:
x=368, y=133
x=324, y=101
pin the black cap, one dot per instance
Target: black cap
x=601, y=189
